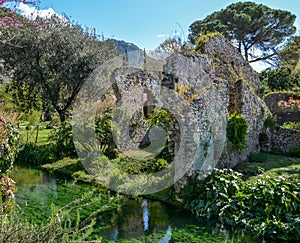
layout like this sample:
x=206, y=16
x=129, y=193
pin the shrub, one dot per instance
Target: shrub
x=65, y=167
x=291, y=125
x=270, y=122
x=31, y=154
x=295, y=152
x=103, y=127
x=135, y=166
x=265, y=207
x=8, y=188
x=279, y=79
x=216, y=196
x=63, y=135
x=272, y=207
x=161, y=118
x=103, y=130
x=237, y=131
x=83, y=176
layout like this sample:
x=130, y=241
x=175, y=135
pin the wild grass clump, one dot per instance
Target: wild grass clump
x=61, y=226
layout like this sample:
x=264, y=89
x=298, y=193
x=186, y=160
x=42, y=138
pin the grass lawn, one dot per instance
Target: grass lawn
x=271, y=165
x=37, y=131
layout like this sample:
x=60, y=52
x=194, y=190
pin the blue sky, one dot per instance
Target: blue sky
x=147, y=23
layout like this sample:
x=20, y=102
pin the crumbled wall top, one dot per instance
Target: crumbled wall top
x=229, y=62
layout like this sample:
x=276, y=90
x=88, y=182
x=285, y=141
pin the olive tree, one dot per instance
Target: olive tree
x=50, y=60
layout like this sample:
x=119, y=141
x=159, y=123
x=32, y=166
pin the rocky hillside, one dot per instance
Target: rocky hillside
x=122, y=46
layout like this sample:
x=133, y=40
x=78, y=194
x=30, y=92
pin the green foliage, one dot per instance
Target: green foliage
x=289, y=55
x=9, y=137
x=270, y=122
x=67, y=224
x=279, y=79
x=50, y=61
x=83, y=176
x=250, y=25
x=216, y=196
x=161, y=118
x=265, y=207
x=237, y=131
x=7, y=102
x=63, y=136
x=31, y=154
x=103, y=127
x=295, y=152
x=273, y=205
x=65, y=167
x=103, y=130
x=136, y=166
x=291, y=125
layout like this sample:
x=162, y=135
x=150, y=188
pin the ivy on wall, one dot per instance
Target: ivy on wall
x=237, y=131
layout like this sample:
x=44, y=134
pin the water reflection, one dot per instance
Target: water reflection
x=146, y=214
x=167, y=237
x=138, y=218
x=142, y=219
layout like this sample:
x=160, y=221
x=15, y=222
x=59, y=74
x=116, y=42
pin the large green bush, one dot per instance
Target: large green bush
x=265, y=207
x=136, y=166
x=63, y=136
x=31, y=154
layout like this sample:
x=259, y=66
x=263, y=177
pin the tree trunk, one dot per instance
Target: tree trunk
x=240, y=47
x=62, y=116
x=245, y=51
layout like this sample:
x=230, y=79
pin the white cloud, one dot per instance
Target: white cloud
x=161, y=35
x=33, y=13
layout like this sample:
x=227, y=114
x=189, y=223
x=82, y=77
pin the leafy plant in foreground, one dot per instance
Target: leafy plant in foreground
x=60, y=226
x=265, y=207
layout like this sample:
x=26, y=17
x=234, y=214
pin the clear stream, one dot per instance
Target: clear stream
x=134, y=220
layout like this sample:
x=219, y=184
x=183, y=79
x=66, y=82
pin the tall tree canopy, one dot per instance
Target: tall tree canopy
x=290, y=54
x=250, y=26
x=51, y=60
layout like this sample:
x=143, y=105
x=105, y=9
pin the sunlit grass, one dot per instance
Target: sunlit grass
x=35, y=133
x=271, y=165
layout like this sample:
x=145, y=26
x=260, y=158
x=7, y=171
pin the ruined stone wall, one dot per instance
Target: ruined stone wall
x=283, y=114
x=242, y=94
x=201, y=91
x=272, y=99
x=281, y=139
